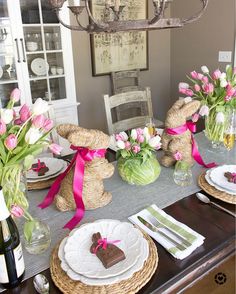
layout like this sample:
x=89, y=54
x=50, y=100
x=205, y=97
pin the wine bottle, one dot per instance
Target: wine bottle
x=12, y=265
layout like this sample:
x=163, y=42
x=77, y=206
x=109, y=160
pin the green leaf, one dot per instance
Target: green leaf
x=28, y=161
x=17, y=150
x=2, y=151
x=28, y=229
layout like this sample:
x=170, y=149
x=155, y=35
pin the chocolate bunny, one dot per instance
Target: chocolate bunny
x=176, y=117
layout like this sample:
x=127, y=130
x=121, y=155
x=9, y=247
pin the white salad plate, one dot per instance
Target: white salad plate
x=106, y=281
x=55, y=166
x=83, y=262
x=209, y=181
x=217, y=177
x=39, y=66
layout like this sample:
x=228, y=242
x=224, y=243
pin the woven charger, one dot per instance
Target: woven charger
x=226, y=197
x=40, y=184
x=129, y=286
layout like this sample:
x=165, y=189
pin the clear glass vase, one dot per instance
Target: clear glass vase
x=37, y=237
x=182, y=174
x=14, y=184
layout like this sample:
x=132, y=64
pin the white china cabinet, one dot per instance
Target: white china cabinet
x=36, y=56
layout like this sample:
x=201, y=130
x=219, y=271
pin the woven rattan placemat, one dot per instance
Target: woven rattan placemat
x=214, y=192
x=129, y=286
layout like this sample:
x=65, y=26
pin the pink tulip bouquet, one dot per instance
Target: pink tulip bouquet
x=22, y=136
x=217, y=93
x=137, y=163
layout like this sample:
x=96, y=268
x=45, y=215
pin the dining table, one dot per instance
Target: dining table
x=172, y=275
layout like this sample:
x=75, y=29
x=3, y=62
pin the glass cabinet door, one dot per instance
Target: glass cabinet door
x=9, y=56
x=43, y=45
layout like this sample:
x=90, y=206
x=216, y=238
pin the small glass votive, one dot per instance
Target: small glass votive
x=182, y=174
x=151, y=127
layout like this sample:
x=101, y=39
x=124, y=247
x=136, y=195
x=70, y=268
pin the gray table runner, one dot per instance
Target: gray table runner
x=126, y=200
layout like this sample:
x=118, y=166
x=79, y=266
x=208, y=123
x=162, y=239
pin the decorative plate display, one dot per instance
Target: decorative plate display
x=39, y=66
x=209, y=181
x=55, y=166
x=217, y=177
x=83, y=262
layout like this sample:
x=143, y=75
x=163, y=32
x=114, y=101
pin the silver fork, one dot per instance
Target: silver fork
x=158, y=224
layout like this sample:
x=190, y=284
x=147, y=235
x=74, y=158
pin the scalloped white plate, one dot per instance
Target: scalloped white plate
x=83, y=262
x=39, y=66
x=217, y=177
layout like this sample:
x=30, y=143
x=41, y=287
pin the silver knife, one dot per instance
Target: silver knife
x=156, y=230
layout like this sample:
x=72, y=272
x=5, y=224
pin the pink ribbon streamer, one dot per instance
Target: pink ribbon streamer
x=191, y=126
x=81, y=156
x=103, y=242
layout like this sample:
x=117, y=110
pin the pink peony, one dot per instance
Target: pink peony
x=55, y=148
x=11, y=142
x=38, y=121
x=3, y=127
x=136, y=148
x=48, y=124
x=216, y=74
x=17, y=211
x=178, y=156
x=15, y=95
x=197, y=88
x=24, y=113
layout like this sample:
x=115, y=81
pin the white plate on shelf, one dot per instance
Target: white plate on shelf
x=217, y=177
x=83, y=262
x=1, y=72
x=55, y=166
x=106, y=281
x=39, y=66
x=208, y=179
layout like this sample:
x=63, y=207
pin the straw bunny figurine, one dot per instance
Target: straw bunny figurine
x=95, y=171
x=177, y=116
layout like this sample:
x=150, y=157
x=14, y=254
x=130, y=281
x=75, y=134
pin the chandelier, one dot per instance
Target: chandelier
x=113, y=21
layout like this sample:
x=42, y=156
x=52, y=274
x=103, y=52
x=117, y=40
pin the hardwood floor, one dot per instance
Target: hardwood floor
x=220, y=280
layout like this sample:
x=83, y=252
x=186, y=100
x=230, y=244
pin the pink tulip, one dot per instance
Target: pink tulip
x=17, y=211
x=55, y=148
x=140, y=138
x=183, y=85
x=189, y=92
x=230, y=90
x=208, y=88
x=139, y=131
x=194, y=74
x=200, y=76
x=38, y=121
x=197, y=88
x=48, y=124
x=11, y=142
x=182, y=90
x=205, y=80
x=24, y=113
x=3, y=127
x=228, y=98
x=15, y=95
x=127, y=145
x=195, y=117
x=178, y=156
x=136, y=149
x=216, y=74
x=18, y=122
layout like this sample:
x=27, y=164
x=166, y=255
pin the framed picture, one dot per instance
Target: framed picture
x=122, y=50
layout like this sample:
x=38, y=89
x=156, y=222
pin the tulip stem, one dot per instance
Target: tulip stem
x=18, y=133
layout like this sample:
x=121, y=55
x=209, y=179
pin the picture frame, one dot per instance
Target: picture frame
x=119, y=51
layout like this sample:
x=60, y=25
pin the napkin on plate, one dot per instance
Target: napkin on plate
x=188, y=234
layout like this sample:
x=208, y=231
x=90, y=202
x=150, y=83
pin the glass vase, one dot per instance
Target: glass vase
x=182, y=174
x=37, y=237
x=136, y=171
x=14, y=184
x=214, y=131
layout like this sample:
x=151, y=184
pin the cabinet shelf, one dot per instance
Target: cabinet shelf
x=2, y=81
x=41, y=24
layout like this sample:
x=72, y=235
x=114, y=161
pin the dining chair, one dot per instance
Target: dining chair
x=115, y=125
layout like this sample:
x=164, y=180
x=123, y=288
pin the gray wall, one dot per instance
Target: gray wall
x=172, y=54
x=198, y=43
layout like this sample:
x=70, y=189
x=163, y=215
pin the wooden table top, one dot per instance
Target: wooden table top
x=172, y=274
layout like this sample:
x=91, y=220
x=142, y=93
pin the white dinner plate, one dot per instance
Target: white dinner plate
x=39, y=66
x=106, y=281
x=55, y=166
x=83, y=262
x=217, y=176
x=208, y=179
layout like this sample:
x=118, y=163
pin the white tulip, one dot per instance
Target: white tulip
x=124, y=136
x=187, y=99
x=183, y=85
x=134, y=134
x=146, y=134
x=32, y=136
x=155, y=142
x=40, y=106
x=223, y=76
x=220, y=118
x=6, y=115
x=120, y=144
x=223, y=83
x=204, y=110
x=205, y=69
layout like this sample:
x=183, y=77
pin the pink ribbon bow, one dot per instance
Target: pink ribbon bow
x=191, y=126
x=234, y=177
x=103, y=242
x=39, y=166
x=81, y=156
